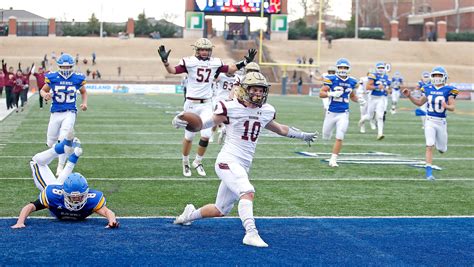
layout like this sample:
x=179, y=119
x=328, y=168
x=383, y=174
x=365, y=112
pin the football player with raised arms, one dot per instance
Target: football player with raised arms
x=244, y=117
x=68, y=197
x=61, y=87
x=378, y=85
x=439, y=97
x=201, y=68
x=338, y=88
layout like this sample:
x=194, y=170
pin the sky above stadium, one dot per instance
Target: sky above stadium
x=119, y=11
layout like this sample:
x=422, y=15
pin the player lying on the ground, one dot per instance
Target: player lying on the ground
x=244, y=117
x=68, y=197
x=439, y=97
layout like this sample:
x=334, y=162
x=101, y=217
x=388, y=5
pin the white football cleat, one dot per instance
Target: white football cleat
x=333, y=163
x=253, y=239
x=361, y=123
x=199, y=168
x=186, y=169
x=184, y=217
x=362, y=129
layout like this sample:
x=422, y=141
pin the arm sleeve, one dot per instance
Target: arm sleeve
x=100, y=204
x=38, y=205
x=454, y=92
x=181, y=68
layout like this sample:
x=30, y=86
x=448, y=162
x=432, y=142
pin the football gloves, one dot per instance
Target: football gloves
x=163, y=53
x=335, y=93
x=250, y=56
x=179, y=123
x=310, y=137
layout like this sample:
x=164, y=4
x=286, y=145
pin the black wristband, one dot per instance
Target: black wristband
x=241, y=64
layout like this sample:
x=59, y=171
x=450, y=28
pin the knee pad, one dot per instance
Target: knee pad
x=189, y=135
x=203, y=143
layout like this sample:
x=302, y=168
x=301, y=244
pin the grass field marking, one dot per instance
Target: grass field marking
x=260, y=143
x=289, y=179
x=278, y=217
x=214, y=157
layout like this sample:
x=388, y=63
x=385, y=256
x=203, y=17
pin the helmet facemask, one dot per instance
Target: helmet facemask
x=343, y=70
x=438, y=78
x=66, y=70
x=75, y=201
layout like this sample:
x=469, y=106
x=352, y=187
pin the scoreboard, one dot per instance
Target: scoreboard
x=246, y=7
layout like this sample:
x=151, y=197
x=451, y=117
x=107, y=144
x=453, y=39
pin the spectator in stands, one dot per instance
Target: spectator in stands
x=93, y=75
x=2, y=83
x=300, y=85
x=298, y=60
x=310, y=61
x=77, y=59
x=329, y=38
x=9, y=79
x=99, y=76
x=119, y=70
x=88, y=72
x=40, y=83
x=304, y=59
x=93, y=58
x=294, y=76
x=26, y=85
x=84, y=61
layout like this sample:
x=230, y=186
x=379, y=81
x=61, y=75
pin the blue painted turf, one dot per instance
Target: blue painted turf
x=415, y=241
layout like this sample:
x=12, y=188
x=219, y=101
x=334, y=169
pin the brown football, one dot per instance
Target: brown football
x=194, y=121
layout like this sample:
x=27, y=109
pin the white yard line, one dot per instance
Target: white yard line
x=388, y=179
x=281, y=217
x=323, y=156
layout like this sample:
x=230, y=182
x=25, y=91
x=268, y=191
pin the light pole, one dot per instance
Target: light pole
x=356, y=17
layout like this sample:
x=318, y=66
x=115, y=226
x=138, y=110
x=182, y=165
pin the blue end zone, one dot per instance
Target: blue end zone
x=414, y=241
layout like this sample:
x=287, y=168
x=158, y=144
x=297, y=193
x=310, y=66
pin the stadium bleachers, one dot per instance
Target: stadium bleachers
x=140, y=62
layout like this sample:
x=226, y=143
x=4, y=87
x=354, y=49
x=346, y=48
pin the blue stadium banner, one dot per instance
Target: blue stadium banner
x=237, y=6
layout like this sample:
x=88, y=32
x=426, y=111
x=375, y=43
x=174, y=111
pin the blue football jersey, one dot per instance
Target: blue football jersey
x=396, y=83
x=340, y=104
x=421, y=83
x=379, y=79
x=435, y=96
x=64, y=91
x=52, y=197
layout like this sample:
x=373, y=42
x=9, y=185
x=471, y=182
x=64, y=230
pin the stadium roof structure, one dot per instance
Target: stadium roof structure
x=20, y=15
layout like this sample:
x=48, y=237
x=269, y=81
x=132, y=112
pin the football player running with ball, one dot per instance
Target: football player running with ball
x=439, y=97
x=68, y=197
x=201, y=68
x=338, y=88
x=63, y=85
x=244, y=117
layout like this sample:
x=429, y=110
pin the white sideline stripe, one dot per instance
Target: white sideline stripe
x=260, y=143
x=279, y=217
x=388, y=179
x=405, y=161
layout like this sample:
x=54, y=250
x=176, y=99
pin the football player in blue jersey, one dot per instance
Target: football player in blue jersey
x=338, y=88
x=397, y=82
x=68, y=197
x=62, y=86
x=439, y=97
x=379, y=86
x=421, y=111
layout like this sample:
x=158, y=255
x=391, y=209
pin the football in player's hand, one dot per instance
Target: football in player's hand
x=194, y=121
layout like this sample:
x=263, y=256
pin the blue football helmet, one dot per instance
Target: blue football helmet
x=397, y=74
x=425, y=76
x=380, y=68
x=66, y=65
x=436, y=80
x=343, y=67
x=75, y=190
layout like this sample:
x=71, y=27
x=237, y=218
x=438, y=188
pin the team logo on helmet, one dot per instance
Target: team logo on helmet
x=251, y=80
